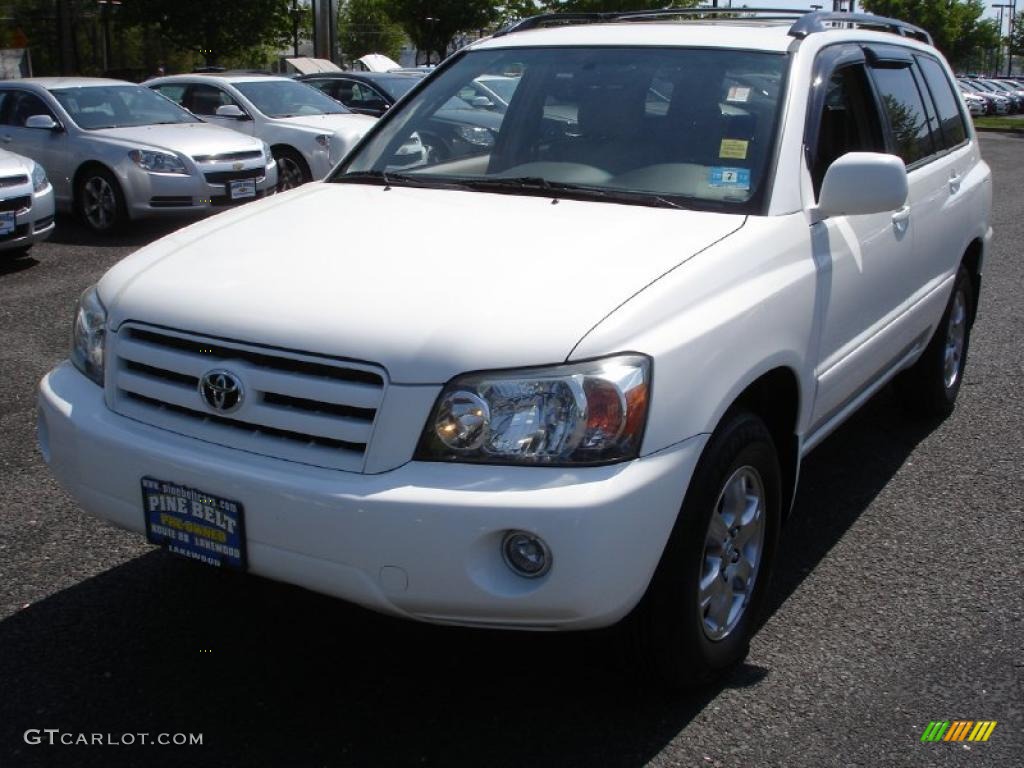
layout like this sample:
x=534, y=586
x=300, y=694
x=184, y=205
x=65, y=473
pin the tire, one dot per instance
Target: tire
x=292, y=171
x=681, y=640
x=930, y=387
x=99, y=201
x=16, y=253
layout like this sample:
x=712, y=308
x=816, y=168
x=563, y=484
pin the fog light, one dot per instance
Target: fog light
x=526, y=554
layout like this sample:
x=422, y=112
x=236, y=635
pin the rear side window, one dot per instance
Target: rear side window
x=905, y=109
x=951, y=118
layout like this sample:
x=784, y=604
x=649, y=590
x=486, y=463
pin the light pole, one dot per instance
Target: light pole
x=106, y=6
x=1000, y=6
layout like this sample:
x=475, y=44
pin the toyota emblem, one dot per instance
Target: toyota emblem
x=222, y=391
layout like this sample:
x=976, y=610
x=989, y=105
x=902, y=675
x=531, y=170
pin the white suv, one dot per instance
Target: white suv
x=566, y=377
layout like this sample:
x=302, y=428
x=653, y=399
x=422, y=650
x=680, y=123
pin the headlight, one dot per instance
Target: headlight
x=39, y=180
x=324, y=140
x=475, y=135
x=583, y=413
x=268, y=154
x=88, y=334
x=157, y=162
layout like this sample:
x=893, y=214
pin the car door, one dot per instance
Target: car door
x=49, y=148
x=861, y=260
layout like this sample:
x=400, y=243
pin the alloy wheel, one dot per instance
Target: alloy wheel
x=733, y=547
x=956, y=333
x=289, y=174
x=99, y=203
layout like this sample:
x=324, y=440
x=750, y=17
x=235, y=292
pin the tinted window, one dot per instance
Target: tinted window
x=19, y=106
x=849, y=122
x=946, y=101
x=175, y=93
x=907, y=117
x=119, y=106
x=206, y=99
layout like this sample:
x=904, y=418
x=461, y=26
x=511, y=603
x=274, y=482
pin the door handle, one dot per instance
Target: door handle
x=902, y=216
x=954, y=183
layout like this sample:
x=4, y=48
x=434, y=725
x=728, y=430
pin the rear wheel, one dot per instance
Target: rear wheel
x=100, y=201
x=292, y=170
x=708, y=592
x=930, y=387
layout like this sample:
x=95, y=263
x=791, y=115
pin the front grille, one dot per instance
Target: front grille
x=170, y=201
x=22, y=203
x=230, y=157
x=223, y=177
x=297, y=407
x=12, y=181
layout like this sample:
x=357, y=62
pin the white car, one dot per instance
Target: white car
x=26, y=204
x=976, y=104
x=307, y=131
x=567, y=380
x=116, y=151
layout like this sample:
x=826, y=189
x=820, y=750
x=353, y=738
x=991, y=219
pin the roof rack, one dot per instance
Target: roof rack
x=806, y=22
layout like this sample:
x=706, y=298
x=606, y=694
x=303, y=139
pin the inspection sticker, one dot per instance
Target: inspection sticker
x=738, y=93
x=737, y=178
x=733, y=149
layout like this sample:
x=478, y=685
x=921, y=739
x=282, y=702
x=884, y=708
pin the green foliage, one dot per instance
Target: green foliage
x=956, y=25
x=1016, y=39
x=432, y=25
x=364, y=26
x=590, y=6
x=217, y=30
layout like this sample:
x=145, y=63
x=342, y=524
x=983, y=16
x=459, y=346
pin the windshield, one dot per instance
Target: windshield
x=672, y=127
x=119, y=106
x=397, y=87
x=287, y=98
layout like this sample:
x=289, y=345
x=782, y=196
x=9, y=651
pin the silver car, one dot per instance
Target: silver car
x=26, y=203
x=116, y=151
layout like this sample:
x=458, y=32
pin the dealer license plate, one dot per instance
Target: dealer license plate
x=240, y=190
x=6, y=222
x=194, y=524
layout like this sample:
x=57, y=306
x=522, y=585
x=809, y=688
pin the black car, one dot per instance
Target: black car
x=462, y=128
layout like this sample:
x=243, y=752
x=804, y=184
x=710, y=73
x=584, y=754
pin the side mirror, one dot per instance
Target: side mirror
x=231, y=110
x=859, y=183
x=482, y=102
x=42, y=122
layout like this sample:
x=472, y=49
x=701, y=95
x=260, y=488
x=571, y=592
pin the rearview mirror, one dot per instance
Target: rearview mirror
x=231, y=110
x=859, y=183
x=43, y=122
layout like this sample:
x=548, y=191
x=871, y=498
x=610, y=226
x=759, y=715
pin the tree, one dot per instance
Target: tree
x=600, y=6
x=1016, y=39
x=432, y=25
x=364, y=26
x=956, y=26
x=219, y=29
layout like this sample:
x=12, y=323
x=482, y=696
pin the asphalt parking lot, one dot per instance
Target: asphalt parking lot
x=898, y=600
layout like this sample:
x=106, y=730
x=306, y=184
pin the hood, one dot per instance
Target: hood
x=187, y=138
x=428, y=283
x=345, y=124
x=12, y=164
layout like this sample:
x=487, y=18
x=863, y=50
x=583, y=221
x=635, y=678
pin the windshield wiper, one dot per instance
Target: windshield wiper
x=389, y=180
x=564, y=189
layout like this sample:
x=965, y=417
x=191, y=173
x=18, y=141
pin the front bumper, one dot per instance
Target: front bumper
x=32, y=225
x=421, y=541
x=160, y=194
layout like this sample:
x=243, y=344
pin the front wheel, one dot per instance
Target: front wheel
x=292, y=170
x=930, y=387
x=100, y=201
x=709, y=589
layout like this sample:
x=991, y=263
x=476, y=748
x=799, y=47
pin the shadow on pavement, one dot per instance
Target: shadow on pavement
x=10, y=264
x=295, y=679
x=71, y=231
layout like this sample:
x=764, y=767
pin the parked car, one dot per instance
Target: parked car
x=1005, y=104
x=976, y=104
x=26, y=204
x=978, y=98
x=116, y=151
x=307, y=133
x=590, y=404
x=366, y=93
x=1012, y=90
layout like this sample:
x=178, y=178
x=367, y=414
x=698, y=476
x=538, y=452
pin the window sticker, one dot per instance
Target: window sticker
x=733, y=149
x=738, y=93
x=734, y=178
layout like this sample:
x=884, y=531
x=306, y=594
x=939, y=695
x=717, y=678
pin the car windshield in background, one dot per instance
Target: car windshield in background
x=119, y=106
x=675, y=127
x=399, y=85
x=286, y=98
